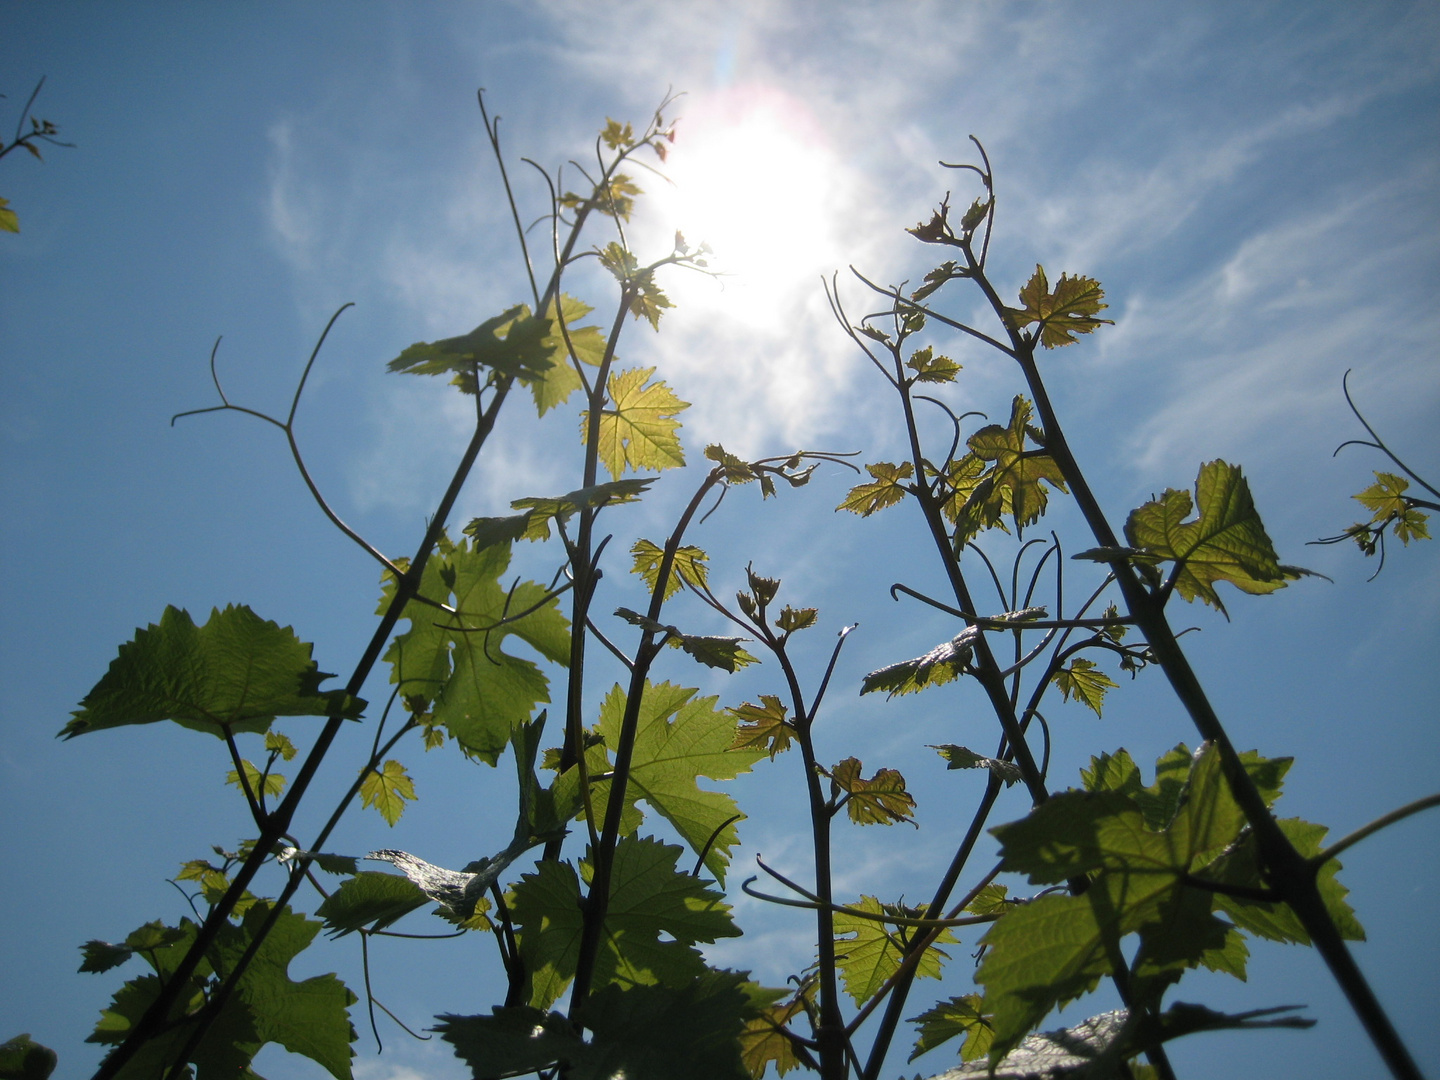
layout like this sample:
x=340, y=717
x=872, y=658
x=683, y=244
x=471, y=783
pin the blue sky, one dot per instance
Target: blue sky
x=1254, y=184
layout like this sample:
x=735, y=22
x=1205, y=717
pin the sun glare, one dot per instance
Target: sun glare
x=754, y=179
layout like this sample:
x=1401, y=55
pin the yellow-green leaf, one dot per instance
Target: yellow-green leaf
x=763, y=726
x=1225, y=542
x=273, y=783
x=881, y=800
x=868, y=952
x=930, y=368
x=1069, y=310
x=1086, y=683
x=687, y=567
x=886, y=490
x=8, y=221
x=1015, y=483
x=964, y=1015
x=638, y=430
x=387, y=790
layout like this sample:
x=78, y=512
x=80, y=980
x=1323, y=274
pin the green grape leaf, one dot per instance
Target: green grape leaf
x=990, y=899
x=1069, y=310
x=1225, y=542
x=276, y=743
x=273, y=783
x=513, y=343
x=211, y=879
x=102, y=956
x=792, y=619
x=1240, y=865
x=930, y=368
x=734, y=469
x=886, y=490
x=648, y=897
x=868, y=952
x=308, y=1018
x=638, y=430
x=940, y=665
x=22, y=1058
x=960, y=757
x=1055, y=948
x=881, y=800
x=370, y=900
x=763, y=726
x=480, y=692
x=555, y=377
x=9, y=222
x=725, y=653
x=1386, y=501
x=960, y=480
x=946, y=271
x=687, y=567
x=764, y=1039
x=534, y=523
x=963, y=1015
x=690, y=1031
x=678, y=739
x=1086, y=683
x=1015, y=483
x=512, y=1041
x=386, y=789
x=617, y=136
x=236, y=673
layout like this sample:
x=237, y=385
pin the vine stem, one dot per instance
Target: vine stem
x=1290, y=873
x=602, y=857
x=277, y=824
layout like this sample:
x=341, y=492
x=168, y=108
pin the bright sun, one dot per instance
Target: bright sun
x=756, y=180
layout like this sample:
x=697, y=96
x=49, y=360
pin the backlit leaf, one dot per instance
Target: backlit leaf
x=649, y=898
x=764, y=1039
x=386, y=789
x=690, y=1031
x=512, y=343
x=1086, y=683
x=308, y=1018
x=886, y=490
x=963, y=1015
x=930, y=368
x=1057, y=947
x=272, y=783
x=1386, y=501
x=881, y=800
x=687, y=567
x=960, y=757
x=868, y=952
x=370, y=900
x=638, y=428
x=236, y=673
x=725, y=653
x=480, y=692
x=792, y=619
x=1069, y=310
x=735, y=470
x=763, y=726
x=512, y=1041
x=1015, y=482
x=1225, y=542
x=277, y=743
x=9, y=222
x=940, y=665
x=680, y=738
